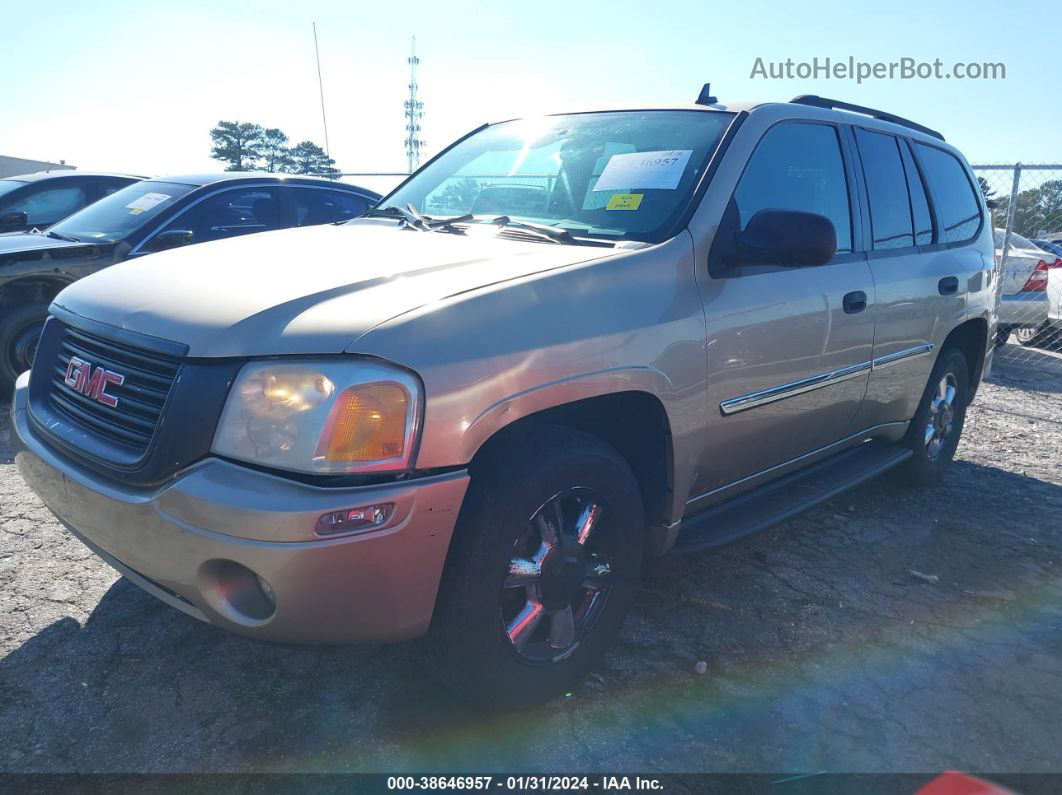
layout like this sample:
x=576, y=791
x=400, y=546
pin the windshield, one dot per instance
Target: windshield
x=122, y=213
x=8, y=185
x=617, y=175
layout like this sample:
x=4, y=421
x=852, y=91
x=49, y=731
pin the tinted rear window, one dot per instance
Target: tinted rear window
x=956, y=201
x=890, y=205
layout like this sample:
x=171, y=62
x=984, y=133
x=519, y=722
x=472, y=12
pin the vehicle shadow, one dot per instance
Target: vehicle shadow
x=1033, y=369
x=849, y=638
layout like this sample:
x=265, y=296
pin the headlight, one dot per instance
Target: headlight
x=320, y=416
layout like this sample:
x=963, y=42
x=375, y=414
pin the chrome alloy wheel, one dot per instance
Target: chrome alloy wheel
x=941, y=416
x=559, y=577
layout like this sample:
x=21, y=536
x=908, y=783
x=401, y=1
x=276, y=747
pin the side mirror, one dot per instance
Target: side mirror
x=787, y=237
x=172, y=238
x=13, y=221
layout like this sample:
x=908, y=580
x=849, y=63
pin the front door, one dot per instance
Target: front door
x=789, y=348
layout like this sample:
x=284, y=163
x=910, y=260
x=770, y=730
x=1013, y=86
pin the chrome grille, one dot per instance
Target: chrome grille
x=148, y=379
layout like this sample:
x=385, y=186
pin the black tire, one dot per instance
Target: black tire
x=19, y=329
x=929, y=461
x=469, y=645
x=1002, y=335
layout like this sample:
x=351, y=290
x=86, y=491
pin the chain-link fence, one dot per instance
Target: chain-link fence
x=1027, y=225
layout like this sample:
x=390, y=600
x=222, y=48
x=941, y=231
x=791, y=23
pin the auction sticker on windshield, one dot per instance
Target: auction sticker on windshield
x=146, y=202
x=641, y=170
x=625, y=201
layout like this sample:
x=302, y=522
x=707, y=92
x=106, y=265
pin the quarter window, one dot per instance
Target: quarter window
x=923, y=221
x=798, y=166
x=890, y=204
x=957, y=204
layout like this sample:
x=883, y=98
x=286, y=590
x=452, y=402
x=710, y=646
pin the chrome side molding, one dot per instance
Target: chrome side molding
x=908, y=353
x=765, y=396
x=734, y=405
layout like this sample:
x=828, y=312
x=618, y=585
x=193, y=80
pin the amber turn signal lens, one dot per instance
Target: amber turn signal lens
x=367, y=423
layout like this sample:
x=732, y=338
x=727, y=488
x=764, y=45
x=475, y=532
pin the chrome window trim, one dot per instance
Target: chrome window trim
x=765, y=396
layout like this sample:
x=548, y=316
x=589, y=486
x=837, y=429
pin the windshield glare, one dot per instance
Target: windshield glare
x=125, y=211
x=622, y=175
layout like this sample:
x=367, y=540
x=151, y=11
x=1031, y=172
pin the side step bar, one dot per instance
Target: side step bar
x=788, y=496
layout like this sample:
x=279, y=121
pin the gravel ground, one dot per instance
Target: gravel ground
x=823, y=651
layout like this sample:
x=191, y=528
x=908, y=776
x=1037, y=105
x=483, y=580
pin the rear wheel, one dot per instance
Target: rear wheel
x=20, y=330
x=934, y=433
x=542, y=569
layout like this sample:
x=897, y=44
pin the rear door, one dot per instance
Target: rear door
x=920, y=264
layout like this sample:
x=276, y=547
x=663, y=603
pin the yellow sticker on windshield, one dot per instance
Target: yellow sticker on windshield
x=625, y=201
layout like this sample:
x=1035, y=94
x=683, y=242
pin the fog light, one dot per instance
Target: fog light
x=350, y=519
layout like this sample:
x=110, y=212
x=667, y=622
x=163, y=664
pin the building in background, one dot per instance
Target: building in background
x=12, y=166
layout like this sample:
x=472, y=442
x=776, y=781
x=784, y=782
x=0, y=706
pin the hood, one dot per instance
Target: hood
x=309, y=290
x=15, y=243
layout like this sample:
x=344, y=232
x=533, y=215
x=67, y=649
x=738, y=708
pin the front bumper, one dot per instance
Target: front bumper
x=1018, y=310
x=197, y=542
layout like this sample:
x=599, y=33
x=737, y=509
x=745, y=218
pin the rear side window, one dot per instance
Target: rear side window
x=323, y=206
x=960, y=212
x=923, y=221
x=798, y=166
x=890, y=204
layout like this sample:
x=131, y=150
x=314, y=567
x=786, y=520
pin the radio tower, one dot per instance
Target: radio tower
x=414, y=113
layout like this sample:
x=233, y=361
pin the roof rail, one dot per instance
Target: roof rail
x=836, y=104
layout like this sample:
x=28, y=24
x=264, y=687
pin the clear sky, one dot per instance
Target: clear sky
x=135, y=86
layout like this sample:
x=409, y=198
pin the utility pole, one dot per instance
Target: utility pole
x=414, y=113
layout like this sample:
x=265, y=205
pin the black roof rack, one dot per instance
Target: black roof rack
x=836, y=104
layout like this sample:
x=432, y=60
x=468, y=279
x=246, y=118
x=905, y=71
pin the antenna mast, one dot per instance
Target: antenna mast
x=320, y=86
x=414, y=113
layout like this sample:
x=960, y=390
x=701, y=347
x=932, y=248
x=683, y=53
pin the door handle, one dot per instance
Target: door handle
x=855, y=302
x=949, y=285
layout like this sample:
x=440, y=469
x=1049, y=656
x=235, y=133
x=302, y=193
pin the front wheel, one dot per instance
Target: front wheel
x=543, y=567
x=20, y=330
x=933, y=435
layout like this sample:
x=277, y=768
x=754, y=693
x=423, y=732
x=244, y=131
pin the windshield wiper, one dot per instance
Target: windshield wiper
x=58, y=236
x=413, y=219
x=556, y=234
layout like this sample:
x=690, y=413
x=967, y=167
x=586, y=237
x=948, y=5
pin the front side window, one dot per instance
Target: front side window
x=231, y=213
x=960, y=212
x=7, y=186
x=797, y=166
x=621, y=175
x=890, y=203
x=123, y=213
x=48, y=205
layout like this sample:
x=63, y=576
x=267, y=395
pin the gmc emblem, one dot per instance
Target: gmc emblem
x=82, y=378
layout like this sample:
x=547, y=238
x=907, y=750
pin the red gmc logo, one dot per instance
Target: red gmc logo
x=82, y=378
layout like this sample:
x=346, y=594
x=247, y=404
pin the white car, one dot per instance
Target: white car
x=1023, y=304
